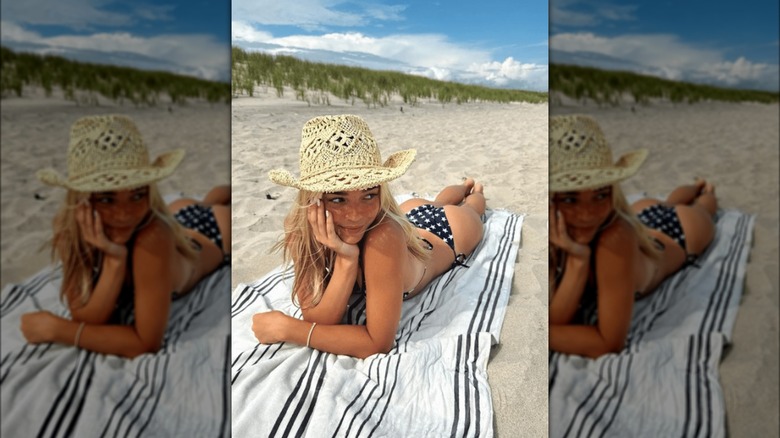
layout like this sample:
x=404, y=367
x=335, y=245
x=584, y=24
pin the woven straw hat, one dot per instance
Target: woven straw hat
x=339, y=153
x=107, y=153
x=581, y=159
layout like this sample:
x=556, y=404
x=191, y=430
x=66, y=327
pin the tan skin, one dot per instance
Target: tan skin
x=345, y=223
x=107, y=221
x=622, y=269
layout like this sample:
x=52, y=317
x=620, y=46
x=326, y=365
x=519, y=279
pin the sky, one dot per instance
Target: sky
x=730, y=44
x=185, y=37
x=497, y=43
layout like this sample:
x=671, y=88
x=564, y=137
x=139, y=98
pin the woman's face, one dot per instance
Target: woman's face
x=584, y=211
x=353, y=212
x=121, y=211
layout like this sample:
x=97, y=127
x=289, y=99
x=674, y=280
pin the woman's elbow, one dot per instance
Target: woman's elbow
x=143, y=347
x=606, y=347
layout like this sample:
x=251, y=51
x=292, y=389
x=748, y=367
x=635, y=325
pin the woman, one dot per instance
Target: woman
x=346, y=231
x=601, y=248
x=119, y=243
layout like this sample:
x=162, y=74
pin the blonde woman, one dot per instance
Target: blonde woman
x=121, y=245
x=601, y=248
x=346, y=233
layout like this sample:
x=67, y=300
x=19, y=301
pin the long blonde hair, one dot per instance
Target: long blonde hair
x=621, y=210
x=313, y=261
x=79, y=258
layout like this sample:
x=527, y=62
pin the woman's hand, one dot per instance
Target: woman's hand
x=325, y=231
x=91, y=227
x=560, y=238
x=269, y=327
x=38, y=327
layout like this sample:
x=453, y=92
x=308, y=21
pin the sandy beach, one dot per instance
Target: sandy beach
x=35, y=134
x=504, y=146
x=736, y=147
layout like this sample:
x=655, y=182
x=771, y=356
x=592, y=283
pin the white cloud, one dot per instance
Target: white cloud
x=241, y=31
x=197, y=55
x=313, y=14
x=512, y=73
x=591, y=13
x=76, y=13
x=422, y=50
x=666, y=56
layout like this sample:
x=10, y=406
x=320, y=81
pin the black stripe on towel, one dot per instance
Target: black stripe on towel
x=70, y=398
x=395, y=380
x=310, y=369
x=698, y=360
x=251, y=293
x=487, y=296
x=357, y=397
x=383, y=378
x=382, y=396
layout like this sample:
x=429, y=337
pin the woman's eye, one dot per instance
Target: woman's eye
x=139, y=196
x=336, y=200
x=567, y=200
x=370, y=196
x=103, y=200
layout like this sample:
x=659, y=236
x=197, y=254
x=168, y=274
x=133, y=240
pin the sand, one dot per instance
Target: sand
x=504, y=146
x=34, y=135
x=737, y=147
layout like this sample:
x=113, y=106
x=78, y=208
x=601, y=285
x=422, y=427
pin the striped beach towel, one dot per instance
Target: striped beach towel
x=51, y=390
x=665, y=382
x=432, y=383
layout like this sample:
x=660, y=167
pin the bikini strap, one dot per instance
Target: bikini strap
x=460, y=260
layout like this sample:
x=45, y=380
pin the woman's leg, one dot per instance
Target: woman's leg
x=219, y=195
x=454, y=194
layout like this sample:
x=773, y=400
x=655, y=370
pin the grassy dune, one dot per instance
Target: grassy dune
x=315, y=82
x=84, y=82
x=611, y=87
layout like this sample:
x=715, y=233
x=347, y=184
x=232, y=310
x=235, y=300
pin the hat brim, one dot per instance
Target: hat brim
x=575, y=180
x=116, y=179
x=346, y=179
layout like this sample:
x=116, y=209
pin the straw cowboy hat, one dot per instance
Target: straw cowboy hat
x=339, y=153
x=107, y=153
x=581, y=159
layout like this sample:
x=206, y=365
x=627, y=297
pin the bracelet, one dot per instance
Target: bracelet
x=308, y=338
x=78, y=335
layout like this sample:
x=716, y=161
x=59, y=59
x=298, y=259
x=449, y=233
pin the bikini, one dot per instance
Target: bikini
x=431, y=218
x=664, y=218
x=201, y=219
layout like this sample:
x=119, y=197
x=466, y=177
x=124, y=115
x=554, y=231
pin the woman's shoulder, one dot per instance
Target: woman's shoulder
x=155, y=234
x=385, y=233
x=619, y=235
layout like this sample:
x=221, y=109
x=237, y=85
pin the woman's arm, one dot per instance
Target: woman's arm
x=333, y=304
x=568, y=293
x=154, y=258
x=616, y=256
x=385, y=252
x=102, y=300
x=567, y=296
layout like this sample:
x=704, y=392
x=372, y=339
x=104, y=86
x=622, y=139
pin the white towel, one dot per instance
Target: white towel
x=665, y=382
x=432, y=383
x=52, y=390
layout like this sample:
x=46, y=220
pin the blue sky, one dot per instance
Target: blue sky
x=732, y=44
x=187, y=37
x=500, y=43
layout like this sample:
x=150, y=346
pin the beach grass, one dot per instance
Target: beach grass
x=317, y=82
x=83, y=82
x=605, y=87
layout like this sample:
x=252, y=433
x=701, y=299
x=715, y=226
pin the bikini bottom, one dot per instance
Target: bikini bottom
x=201, y=219
x=431, y=218
x=664, y=219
